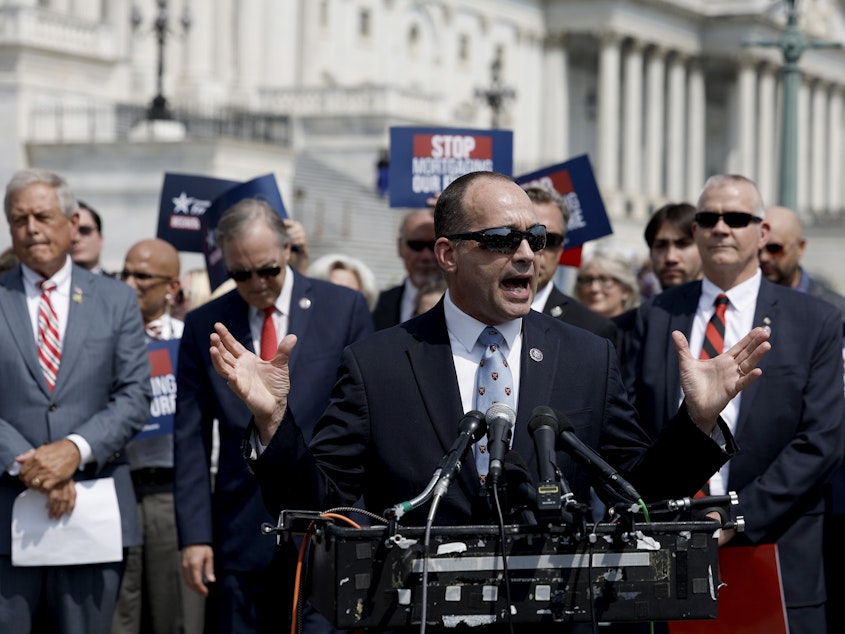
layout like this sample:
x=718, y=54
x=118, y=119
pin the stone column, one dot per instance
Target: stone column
x=818, y=162
x=248, y=48
x=802, y=179
x=554, y=132
x=608, y=113
x=655, y=123
x=676, y=121
x=696, y=130
x=766, y=134
x=198, y=76
x=834, y=159
x=632, y=145
x=747, y=105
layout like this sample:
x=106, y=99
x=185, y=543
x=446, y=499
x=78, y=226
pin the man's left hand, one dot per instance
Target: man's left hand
x=709, y=385
x=50, y=465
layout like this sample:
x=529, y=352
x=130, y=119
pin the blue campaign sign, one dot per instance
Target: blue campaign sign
x=423, y=161
x=263, y=188
x=163, y=357
x=184, y=200
x=574, y=180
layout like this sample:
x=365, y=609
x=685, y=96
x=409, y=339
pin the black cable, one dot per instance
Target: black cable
x=505, y=572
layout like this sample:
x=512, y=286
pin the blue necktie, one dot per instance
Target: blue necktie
x=493, y=384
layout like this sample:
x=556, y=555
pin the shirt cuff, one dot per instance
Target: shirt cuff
x=86, y=455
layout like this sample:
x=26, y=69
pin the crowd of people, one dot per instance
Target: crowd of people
x=299, y=385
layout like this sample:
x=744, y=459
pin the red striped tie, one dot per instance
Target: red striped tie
x=49, y=344
x=269, y=342
x=714, y=334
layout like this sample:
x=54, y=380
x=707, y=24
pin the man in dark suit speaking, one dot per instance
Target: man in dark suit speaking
x=789, y=425
x=401, y=392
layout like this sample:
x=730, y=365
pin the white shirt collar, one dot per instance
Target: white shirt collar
x=466, y=329
x=742, y=297
x=542, y=296
x=61, y=278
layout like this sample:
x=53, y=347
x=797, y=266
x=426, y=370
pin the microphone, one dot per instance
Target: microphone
x=500, y=421
x=471, y=428
x=520, y=491
x=609, y=479
x=543, y=428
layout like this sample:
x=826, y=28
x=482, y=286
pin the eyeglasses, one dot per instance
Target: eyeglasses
x=86, y=230
x=242, y=275
x=774, y=249
x=419, y=245
x=553, y=240
x=505, y=239
x=142, y=277
x=588, y=280
x=734, y=219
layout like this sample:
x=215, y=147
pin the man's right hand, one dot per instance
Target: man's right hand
x=198, y=567
x=262, y=385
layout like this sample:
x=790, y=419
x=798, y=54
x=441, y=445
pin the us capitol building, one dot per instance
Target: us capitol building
x=659, y=93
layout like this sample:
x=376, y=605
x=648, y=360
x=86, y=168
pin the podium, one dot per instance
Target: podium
x=368, y=577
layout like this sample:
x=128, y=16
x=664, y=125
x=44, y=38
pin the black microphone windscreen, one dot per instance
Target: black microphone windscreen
x=543, y=416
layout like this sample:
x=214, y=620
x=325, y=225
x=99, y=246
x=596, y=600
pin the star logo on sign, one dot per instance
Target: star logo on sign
x=182, y=204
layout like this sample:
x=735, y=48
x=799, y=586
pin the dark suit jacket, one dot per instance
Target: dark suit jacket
x=791, y=426
x=326, y=318
x=386, y=312
x=571, y=311
x=102, y=390
x=395, y=410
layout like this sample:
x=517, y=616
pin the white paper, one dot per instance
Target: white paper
x=91, y=534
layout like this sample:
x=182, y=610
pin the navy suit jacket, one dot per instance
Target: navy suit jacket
x=386, y=312
x=326, y=318
x=395, y=410
x=791, y=425
x=102, y=390
x=568, y=309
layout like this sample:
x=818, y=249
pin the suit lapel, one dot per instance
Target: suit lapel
x=82, y=313
x=299, y=318
x=429, y=352
x=766, y=314
x=13, y=307
x=681, y=316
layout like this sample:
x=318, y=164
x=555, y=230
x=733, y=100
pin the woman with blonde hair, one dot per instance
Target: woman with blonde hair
x=607, y=284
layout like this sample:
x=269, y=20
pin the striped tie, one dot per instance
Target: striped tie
x=714, y=334
x=49, y=344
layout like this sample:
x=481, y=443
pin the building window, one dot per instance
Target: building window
x=463, y=48
x=364, y=23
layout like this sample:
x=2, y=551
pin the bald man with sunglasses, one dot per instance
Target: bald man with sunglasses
x=402, y=391
x=415, y=246
x=789, y=425
x=219, y=526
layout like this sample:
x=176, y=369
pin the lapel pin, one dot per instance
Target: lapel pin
x=536, y=354
x=557, y=311
x=77, y=294
x=305, y=303
x=767, y=325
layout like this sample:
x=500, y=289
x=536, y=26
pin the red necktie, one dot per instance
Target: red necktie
x=268, y=335
x=714, y=334
x=49, y=344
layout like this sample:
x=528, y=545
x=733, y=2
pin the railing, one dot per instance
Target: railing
x=42, y=28
x=104, y=123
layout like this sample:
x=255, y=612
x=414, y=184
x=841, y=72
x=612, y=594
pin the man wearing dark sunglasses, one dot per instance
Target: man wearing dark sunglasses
x=552, y=212
x=402, y=391
x=415, y=245
x=219, y=533
x=790, y=425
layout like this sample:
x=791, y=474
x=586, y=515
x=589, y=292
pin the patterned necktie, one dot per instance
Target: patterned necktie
x=493, y=384
x=268, y=335
x=49, y=344
x=714, y=334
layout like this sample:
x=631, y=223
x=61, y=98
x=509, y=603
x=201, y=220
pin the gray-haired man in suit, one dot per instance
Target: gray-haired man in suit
x=65, y=426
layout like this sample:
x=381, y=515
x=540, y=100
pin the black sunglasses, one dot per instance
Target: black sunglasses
x=242, y=275
x=774, y=248
x=419, y=245
x=553, y=240
x=142, y=277
x=734, y=219
x=505, y=239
